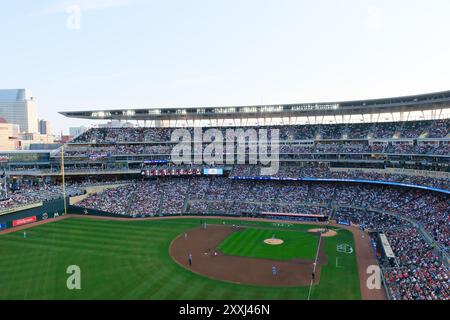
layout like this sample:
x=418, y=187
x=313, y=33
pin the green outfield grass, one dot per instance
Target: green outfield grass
x=130, y=260
x=250, y=243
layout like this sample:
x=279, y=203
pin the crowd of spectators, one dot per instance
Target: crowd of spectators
x=396, y=211
x=439, y=129
x=28, y=192
x=420, y=274
x=367, y=219
x=295, y=171
x=116, y=150
x=137, y=197
x=175, y=195
x=228, y=196
x=431, y=210
x=27, y=195
x=98, y=151
x=307, y=170
x=179, y=195
x=101, y=135
x=382, y=130
x=343, y=147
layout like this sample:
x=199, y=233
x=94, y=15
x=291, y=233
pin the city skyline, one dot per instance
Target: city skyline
x=139, y=54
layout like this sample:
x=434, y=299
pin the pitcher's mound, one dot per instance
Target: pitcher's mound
x=273, y=242
x=324, y=232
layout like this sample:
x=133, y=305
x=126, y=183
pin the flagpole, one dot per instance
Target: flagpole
x=63, y=179
x=6, y=187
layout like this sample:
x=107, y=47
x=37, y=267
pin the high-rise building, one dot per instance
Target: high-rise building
x=44, y=127
x=18, y=106
x=8, y=135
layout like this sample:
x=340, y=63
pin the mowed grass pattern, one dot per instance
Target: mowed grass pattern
x=128, y=260
x=250, y=243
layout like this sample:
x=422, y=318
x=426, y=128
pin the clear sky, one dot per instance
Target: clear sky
x=142, y=53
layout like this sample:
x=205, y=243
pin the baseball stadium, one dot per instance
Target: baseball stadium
x=346, y=200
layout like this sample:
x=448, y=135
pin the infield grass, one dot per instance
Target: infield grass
x=250, y=243
x=130, y=260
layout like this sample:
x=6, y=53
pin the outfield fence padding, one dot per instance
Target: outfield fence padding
x=47, y=210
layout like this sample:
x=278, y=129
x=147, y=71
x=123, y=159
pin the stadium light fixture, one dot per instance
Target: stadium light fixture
x=100, y=114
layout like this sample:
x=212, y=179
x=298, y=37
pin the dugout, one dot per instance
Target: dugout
x=384, y=251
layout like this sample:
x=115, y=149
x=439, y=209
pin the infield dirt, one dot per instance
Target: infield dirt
x=208, y=261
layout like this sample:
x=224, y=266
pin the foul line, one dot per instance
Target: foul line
x=314, y=269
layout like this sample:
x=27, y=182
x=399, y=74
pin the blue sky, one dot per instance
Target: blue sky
x=137, y=53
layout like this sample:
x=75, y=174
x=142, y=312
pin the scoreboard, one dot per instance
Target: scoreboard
x=170, y=172
x=213, y=171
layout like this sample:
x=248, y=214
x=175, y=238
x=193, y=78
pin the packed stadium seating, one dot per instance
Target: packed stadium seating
x=227, y=196
x=26, y=193
x=420, y=273
x=308, y=171
x=416, y=221
x=387, y=130
x=301, y=141
x=434, y=148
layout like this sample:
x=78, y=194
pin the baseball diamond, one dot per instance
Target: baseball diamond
x=355, y=210
x=224, y=159
x=147, y=258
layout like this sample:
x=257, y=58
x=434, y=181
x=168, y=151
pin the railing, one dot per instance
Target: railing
x=20, y=208
x=408, y=172
x=385, y=285
x=442, y=252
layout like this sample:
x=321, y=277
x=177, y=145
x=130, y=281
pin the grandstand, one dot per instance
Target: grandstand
x=381, y=164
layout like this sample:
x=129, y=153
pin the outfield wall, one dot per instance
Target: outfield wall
x=46, y=210
x=49, y=209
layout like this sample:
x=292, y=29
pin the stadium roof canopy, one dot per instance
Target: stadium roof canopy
x=429, y=101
